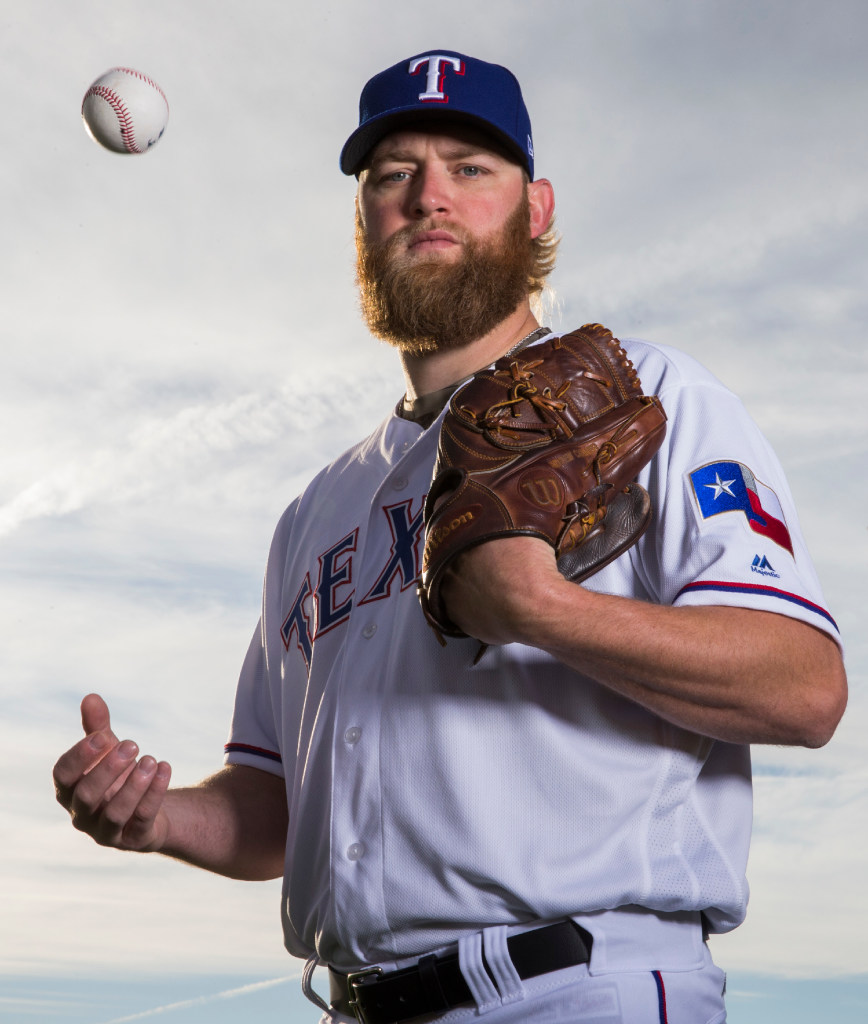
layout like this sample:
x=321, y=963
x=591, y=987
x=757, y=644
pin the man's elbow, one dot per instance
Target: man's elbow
x=824, y=705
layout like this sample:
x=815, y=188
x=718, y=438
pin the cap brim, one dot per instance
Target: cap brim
x=365, y=138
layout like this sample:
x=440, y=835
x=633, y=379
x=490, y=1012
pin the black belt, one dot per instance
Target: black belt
x=436, y=983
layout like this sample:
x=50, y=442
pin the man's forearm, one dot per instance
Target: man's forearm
x=233, y=823
x=734, y=674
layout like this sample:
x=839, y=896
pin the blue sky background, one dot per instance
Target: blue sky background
x=181, y=346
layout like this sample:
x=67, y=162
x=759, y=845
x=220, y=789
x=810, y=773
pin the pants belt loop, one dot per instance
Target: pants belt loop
x=473, y=970
x=309, y=991
x=500, y=964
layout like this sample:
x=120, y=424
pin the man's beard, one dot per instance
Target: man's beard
x=427, y=305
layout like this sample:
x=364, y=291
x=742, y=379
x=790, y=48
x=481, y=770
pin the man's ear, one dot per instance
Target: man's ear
x=541, y=198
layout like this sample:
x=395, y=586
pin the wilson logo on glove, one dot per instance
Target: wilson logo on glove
x=441, y=532
x=545, y=491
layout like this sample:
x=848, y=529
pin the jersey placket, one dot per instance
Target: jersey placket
x=356, y=834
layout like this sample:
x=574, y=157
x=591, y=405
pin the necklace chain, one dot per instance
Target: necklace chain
x=534, y=335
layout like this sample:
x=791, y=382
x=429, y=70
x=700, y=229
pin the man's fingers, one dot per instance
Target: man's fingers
x=109, y=795
x=139, y=830
x=127, y=818
x=77, y=762
x=82, y=758
x=102, y=780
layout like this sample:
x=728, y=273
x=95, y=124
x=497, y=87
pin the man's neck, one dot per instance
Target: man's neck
x=429, y=373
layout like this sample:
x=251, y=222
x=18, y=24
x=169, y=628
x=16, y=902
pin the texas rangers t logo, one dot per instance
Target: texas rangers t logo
x=436, y=69
x=731, y=487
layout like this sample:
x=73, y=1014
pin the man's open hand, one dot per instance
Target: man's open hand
x=111, y=795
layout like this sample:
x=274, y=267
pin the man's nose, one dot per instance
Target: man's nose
x=430, y=193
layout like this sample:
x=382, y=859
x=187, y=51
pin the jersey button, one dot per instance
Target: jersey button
x=352, y=735
x=369, y=630
x=399, y=483
x=355, y=851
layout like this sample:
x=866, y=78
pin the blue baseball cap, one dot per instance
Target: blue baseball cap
x=441, y=84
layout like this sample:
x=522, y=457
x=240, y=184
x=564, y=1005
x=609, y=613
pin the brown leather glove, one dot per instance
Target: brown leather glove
x=546, y=443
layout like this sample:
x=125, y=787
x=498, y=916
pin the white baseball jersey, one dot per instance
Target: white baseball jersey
x=430, y=797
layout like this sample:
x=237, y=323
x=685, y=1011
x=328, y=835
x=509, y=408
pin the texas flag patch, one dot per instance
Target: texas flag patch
x=731, y=487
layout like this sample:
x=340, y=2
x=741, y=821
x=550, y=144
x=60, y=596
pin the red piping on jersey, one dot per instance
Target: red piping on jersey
x=661, y=997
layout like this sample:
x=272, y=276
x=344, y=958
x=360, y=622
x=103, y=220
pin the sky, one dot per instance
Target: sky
x=181, y=351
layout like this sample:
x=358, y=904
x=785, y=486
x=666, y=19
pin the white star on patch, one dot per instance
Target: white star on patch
x=721, y=487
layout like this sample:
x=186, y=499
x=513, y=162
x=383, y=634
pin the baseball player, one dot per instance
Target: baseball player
x=549, y=831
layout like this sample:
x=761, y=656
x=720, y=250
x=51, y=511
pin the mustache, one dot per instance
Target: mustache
x=408, y=235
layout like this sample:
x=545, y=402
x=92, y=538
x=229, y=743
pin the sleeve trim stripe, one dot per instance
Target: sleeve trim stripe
x=246, y=748
x=754, y=588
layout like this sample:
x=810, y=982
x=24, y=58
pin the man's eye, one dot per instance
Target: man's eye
x=396, y=176
x=471, y=171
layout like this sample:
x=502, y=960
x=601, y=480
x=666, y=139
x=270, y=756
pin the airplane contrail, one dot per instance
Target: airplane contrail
x=202, y=1000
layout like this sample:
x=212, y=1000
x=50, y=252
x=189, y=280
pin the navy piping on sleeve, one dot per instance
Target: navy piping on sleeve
x=755, y=588
x=246, y=748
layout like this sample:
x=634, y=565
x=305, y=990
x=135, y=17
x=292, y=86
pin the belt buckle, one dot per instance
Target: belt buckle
x=352, y=980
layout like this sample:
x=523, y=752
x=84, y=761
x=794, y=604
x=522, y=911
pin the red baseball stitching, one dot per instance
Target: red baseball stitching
x=125, y=121
x=144, y=78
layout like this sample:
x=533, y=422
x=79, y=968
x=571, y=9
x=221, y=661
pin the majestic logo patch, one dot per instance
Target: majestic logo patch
x=731, y=487
x=764, y=567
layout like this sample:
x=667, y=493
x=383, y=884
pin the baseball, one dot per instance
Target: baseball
x=125, y=111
